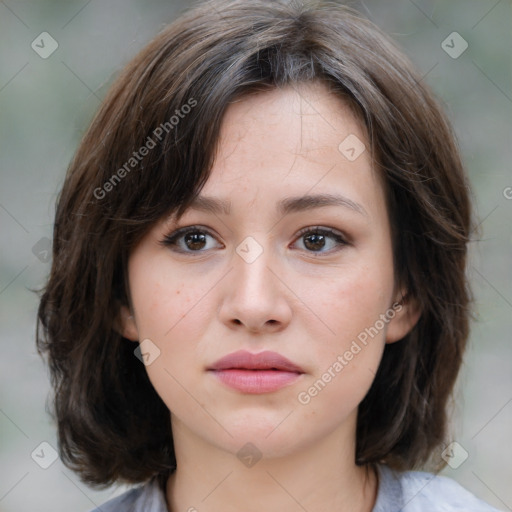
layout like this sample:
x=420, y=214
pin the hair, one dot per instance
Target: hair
x=112, y=425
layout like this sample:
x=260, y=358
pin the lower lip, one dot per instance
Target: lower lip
x=256, y=381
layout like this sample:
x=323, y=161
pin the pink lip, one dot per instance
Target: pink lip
x=263, y=372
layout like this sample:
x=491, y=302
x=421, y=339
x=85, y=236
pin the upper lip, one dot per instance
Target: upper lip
x=267, y=360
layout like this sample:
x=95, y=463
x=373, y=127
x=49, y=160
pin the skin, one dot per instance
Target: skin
x=307, y=302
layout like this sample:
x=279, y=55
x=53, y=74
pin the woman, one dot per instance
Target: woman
x=258, y=297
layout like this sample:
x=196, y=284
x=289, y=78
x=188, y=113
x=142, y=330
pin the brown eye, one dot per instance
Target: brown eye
x=195, y=241
x=321, y=240
x=189, y=239
x=314, y=242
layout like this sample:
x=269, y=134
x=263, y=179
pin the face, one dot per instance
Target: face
x=288, y=250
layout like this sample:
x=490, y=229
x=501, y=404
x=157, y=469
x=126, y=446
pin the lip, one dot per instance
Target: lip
x=263, y=372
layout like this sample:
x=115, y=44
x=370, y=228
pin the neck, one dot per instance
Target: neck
x=321, y=476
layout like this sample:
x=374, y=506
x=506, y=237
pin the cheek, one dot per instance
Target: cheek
x=350, y=305
x=175, y=320
x=163, y=300
x=171, y=312
x=174, y=317
x=346, y=359
x=354, y=299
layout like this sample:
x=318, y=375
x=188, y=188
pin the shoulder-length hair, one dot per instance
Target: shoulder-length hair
x=170, y=99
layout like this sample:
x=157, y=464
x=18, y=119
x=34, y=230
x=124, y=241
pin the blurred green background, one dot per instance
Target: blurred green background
x=45, y=107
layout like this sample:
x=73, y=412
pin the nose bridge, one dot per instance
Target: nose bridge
x=251, y=261
x=253, y=296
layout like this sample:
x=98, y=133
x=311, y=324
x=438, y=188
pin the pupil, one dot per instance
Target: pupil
x=315, y=241
x=195, y=240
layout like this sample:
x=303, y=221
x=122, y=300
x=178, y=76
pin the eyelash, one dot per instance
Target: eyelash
x=172, y=238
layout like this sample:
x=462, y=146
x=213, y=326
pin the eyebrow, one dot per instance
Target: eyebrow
x=284, y=207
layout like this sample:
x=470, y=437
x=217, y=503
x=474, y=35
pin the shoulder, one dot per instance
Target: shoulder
x=418, y=491
x=423, y=490
x=145, y=498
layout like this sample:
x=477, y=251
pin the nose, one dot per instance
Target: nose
x=255, y=297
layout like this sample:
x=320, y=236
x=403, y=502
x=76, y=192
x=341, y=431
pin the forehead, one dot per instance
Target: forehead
x=291, y=141
x=307, y=117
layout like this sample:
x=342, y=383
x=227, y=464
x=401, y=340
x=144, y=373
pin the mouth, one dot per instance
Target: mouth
x=263, y=372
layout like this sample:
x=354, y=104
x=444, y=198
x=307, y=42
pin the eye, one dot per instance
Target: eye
x=321, y=240
x=189, y=239
x=192, y=239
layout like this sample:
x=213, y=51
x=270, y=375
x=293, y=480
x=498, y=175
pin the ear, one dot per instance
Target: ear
x=407, y=314
x=125, y=324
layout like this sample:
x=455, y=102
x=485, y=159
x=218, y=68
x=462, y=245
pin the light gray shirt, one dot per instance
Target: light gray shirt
x=410, y=491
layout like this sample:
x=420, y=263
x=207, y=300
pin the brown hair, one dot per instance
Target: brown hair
x=112, y=425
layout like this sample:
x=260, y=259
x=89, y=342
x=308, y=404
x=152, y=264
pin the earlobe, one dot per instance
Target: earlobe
x=407, y=314
x=126, y=325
